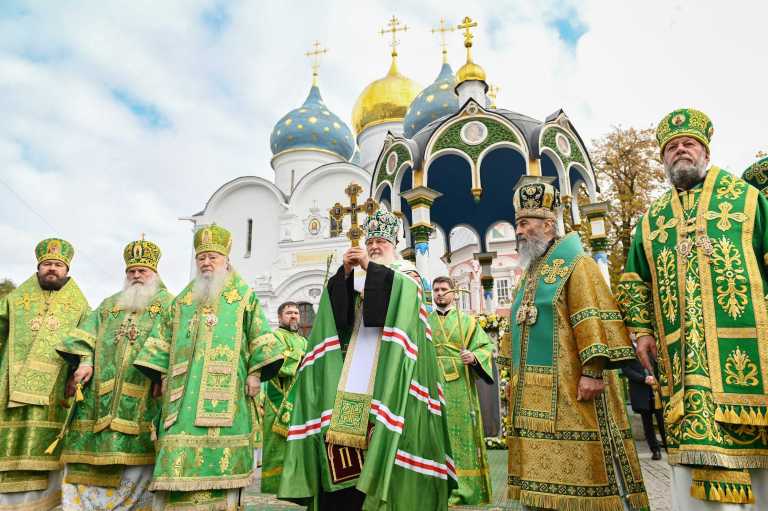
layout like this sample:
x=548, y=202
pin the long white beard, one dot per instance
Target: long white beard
x=531, y=249
x=208, y=286
x=136, y=296
x=684, y=175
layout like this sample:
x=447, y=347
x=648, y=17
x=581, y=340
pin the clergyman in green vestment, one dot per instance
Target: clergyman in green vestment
x=464, y=353
x=109, y=449
x=208, y=350
x=34, y=318
x=693, y=292
x=277, y=399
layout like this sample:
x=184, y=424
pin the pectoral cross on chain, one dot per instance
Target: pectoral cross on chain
x=550, y=273
x=338, y=212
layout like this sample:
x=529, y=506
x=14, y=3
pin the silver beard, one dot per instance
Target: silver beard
x=684, y=175
x=530, y=249
x=208, y=286
x=136, y=296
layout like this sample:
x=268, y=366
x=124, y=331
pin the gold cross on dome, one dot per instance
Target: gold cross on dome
x=394, y=28
x=315, y=54
x=442, y=31
x=550, y=273
x=466, y=25
x=338, y=212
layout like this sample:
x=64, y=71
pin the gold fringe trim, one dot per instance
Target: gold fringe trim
x=638, y=501
x=535, y=423
x=722, y=492
x=746, y=415
x=280, y=429
x=715, y=459
x=513, y=492
x=44, y=504
x=569, y=503
x=207, y=483
x=538, y=379
x=19, y=486
x=92, y=479
x=348, y=439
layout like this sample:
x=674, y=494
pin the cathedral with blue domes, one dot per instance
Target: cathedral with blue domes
x=444, y=158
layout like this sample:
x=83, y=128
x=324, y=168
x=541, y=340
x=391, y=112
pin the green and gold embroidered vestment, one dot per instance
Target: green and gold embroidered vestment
x=696, y=279
x=32, y=379
x=565, y=322
x=451, y=334
x=114, y=425
x=277, y=409
x=205, y=351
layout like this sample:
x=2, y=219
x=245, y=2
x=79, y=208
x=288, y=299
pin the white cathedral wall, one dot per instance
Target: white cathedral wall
x=248, y=202
x=371, y=140
x=291, y=166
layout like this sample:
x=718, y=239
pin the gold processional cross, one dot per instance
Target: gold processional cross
x=394, y=28
x=338, y=212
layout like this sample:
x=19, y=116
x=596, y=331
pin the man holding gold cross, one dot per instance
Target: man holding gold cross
x=369, y=428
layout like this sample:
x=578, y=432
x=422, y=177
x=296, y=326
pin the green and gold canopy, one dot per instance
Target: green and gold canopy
x=536, y=200
x=141, y=253
x=213, y=238
x=55, y=249
x=685, y=122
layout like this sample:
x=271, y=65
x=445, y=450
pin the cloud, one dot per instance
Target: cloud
x=119, y=118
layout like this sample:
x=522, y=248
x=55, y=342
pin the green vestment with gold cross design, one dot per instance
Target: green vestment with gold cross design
x=115, y=425
x=32, y=379
x=204, y=352
x=696, y=279
x=278, y=405
x=565, y=325
x=452, y=333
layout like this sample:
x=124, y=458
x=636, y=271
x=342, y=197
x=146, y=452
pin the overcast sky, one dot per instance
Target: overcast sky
x=119, y=117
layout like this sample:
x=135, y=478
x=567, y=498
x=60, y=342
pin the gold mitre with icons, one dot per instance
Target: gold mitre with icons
x=213, y=238
x=141, y=253
x=54, y=249
x=536, y=197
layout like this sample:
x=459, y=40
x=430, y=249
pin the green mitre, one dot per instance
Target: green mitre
x=213, y=238
x=141, y=253
x=685, y=122
x=382, y=224
x=55, y=249
x=757, y=175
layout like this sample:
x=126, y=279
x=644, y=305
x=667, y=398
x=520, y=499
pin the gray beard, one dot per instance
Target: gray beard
x=208, y=286
x=530, y=249
x=684, y=175
x=136, y=297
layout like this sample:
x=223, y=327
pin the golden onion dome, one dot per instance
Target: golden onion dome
x=384, y=100
x=470, y=71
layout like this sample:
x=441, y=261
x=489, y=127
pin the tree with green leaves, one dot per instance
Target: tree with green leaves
x=629, y=170
x=6, y=286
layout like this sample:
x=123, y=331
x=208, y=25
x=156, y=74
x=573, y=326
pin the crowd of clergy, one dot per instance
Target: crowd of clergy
x=153, y=401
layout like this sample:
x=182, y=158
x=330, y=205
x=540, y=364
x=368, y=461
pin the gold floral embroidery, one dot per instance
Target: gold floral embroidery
x=232, y=296
x=731, y=282
x=178, y=465
x=661, y=203
x=187, y=300
x=550, y=273
x=155, y=308
x=667, y=274
x=677, y=369
x=662, y=227
x=740, y=370
x=224, y=460
x=732, y=187
x=725, y=216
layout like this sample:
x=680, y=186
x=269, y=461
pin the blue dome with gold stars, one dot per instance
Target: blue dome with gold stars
x=312, y=126
x=434, y=102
